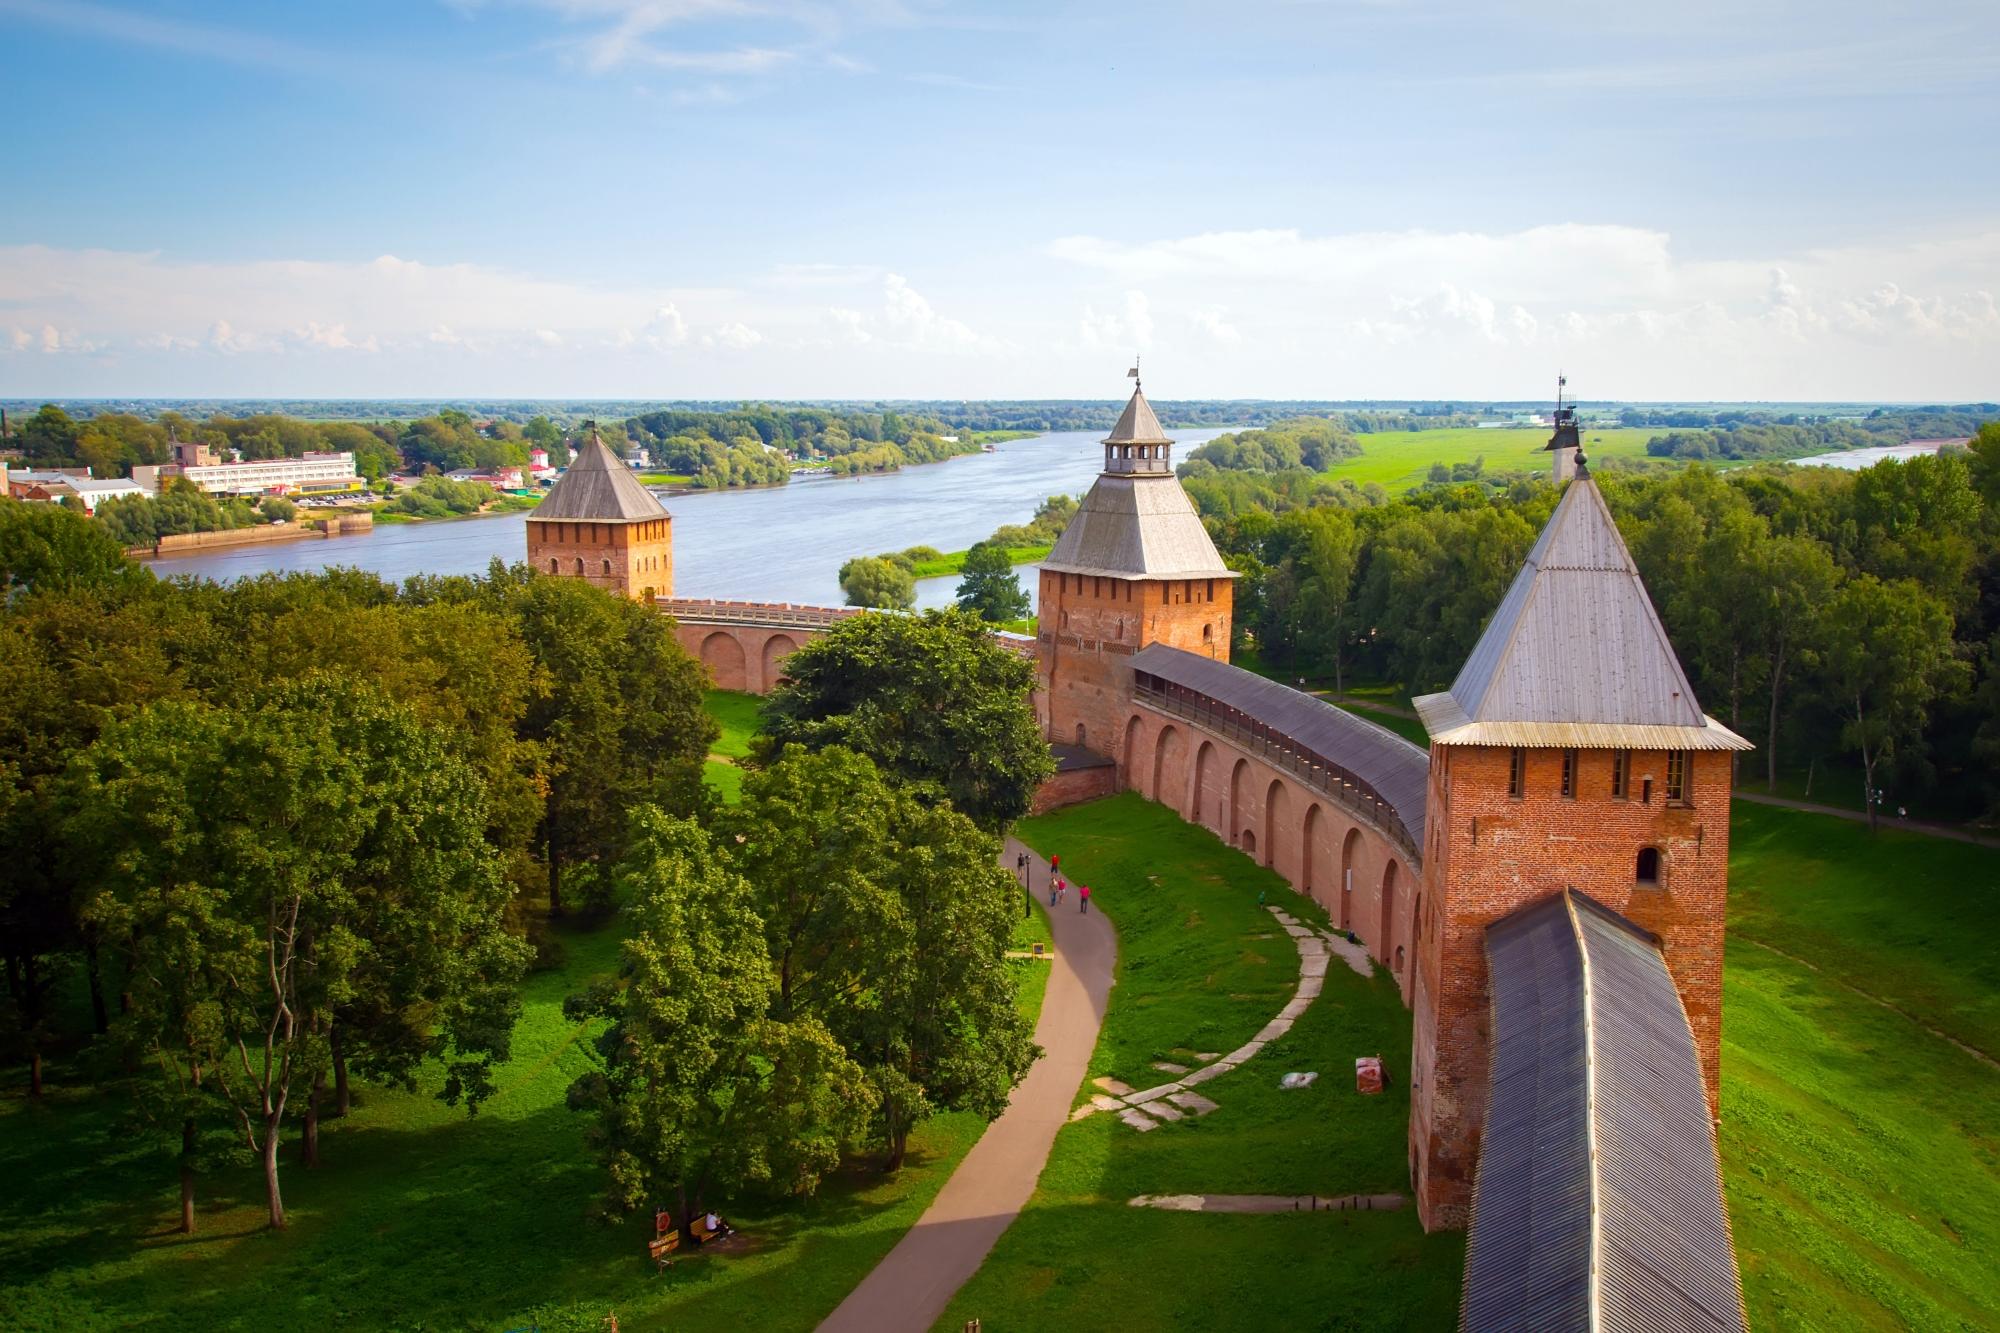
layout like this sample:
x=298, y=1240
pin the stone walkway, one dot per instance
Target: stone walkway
x=1952, y=831
x=1146, y=1110
x=912, y=1285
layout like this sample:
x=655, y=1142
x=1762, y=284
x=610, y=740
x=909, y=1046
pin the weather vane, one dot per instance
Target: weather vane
x=1133, y=373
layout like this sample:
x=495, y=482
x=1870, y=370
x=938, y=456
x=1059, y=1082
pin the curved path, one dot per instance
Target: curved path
x=910, y=1288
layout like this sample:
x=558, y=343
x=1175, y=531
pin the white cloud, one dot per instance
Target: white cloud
x=1127, y=329
x=736, y=336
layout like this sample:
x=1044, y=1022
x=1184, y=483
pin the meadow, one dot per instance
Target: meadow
x=1401, y=459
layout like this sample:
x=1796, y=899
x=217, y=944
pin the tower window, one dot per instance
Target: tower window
x=1647, y=871
x=1569, y=775
x=1517, y=773
x=1677, y=784
x=1621, y=774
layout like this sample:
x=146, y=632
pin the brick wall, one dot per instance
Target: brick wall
x=1490, y=854
x=1075, y=787
x=632, y=559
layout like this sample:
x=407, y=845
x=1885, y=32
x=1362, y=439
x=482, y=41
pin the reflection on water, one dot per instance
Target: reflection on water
x=785, y=544
x=1853, y=460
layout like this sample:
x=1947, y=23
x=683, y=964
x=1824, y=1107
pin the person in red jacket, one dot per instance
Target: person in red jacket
x=1083, y=897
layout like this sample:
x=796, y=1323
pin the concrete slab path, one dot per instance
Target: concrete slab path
x=912, y=1285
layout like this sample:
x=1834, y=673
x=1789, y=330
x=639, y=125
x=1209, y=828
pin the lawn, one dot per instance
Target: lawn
x=1858, y=1149
x=953, y=562
x=1401, y=459
x=1201, y=966
x=419, y=1217
x=736, y=713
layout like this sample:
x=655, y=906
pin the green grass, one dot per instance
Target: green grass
x=1858, y=1150
x=667, y=478
x=736, y=712
x=419, y=1217
x=1032, y=980
x=997, y=436
x=1401, y=459
x=953, y=562
x=1407, y=727
x=1201, y=967
x=725, y=777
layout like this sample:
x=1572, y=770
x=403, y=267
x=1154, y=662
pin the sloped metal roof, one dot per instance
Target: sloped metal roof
x=1137, y=525
x=598, y=488
x=1574, y=641
x=1137, y=424
x=1598, y=1203
x=1387, y=765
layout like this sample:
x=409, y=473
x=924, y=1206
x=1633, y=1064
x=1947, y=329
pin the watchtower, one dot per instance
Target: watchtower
x=1569, y=754
x=599, y=524
x=1134, y=567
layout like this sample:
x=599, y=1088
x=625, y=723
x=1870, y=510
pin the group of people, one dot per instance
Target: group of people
x=1058, y=886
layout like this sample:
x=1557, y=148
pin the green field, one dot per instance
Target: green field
x=953, y=562
x=1861, y=1153
x=1401, y=459
x=1200, y=968
x=736, y=713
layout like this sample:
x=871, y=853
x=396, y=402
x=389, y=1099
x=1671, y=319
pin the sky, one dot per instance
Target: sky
x=1772, y=200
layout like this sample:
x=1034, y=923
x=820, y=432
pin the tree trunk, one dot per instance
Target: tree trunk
x=1867, y=766
x=341, y=1100
x=1771, y=732
x=34, y=1069
x=187, y=1176
x=311, y=1138
x=98, y=1016
x=276, y=1199
x=555, y=881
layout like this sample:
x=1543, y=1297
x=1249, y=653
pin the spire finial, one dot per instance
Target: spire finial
x=1133, y=375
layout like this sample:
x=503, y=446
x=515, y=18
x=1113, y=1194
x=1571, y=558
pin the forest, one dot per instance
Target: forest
x=1822, y=613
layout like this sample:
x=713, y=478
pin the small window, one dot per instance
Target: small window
x=1621, y=774
x=1569, y=775
x=1677, y=784
x=1517, y=773
x=1647, y=871
x=1399, y=958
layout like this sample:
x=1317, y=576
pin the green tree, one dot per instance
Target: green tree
x=990, y=589
x=871, y=580
x=49, y=548
x=1795, y=582
x=1890, y=656
x=261, y=868
x=932, y=699
x=699, y=1089
x=49, y=436
x=887, y=921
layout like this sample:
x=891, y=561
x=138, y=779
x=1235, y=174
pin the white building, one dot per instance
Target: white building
x=313, y=474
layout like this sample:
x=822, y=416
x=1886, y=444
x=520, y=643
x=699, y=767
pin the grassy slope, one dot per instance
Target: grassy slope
x=737, y=714
x=1859, y=1151
x=1200, y=968
x=953, y=562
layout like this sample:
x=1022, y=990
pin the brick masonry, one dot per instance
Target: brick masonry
x=1089, y=628
x=632, y=558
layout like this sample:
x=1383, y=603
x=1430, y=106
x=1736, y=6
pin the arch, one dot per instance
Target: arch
x=1135, y=732
x=1646, y=869
x=1388, y=924
x=1312, y=860
x=722, y=654
x=579, y=566
x=1349, y=847
x=776, y=649
x=1169, y=767
x=1250, y=842
x=1200, y=803
x=1277, y=811
x=607, y=569
x=1080, y=734
x=553, y=565
x=1239, y=817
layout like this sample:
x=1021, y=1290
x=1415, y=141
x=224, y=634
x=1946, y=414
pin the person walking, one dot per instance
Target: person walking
x=1055, y=862
x=1083, y=898
x=1055, y=889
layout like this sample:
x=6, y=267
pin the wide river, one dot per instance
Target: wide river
x=779, y=544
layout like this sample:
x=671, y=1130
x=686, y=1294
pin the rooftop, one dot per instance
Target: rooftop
x=598, y=488
x=1575, y=655
x=1598, y=1202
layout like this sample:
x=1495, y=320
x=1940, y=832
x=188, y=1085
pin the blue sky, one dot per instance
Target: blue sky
x=705, y=198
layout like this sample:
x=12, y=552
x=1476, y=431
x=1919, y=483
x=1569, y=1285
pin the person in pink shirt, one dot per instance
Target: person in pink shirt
x=1083, y=897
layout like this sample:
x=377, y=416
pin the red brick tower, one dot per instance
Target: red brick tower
x=599, y=524
x=1134, y=567
x=1569, y=753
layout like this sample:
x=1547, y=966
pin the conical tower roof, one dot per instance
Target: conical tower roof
x=1137, y=424
x=1575, y=655
x=598, y=488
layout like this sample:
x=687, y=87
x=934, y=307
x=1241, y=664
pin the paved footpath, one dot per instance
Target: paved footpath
x=1951, y=831
x=910, y=1288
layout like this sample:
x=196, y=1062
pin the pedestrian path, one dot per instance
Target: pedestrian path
x=1271, y=1203
x=912, y=1285
x=1147, y=1109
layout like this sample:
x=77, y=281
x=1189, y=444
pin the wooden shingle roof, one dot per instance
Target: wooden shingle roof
x=598, y=488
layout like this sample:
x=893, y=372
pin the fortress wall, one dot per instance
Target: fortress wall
x=742, y=657
x=1343, y=863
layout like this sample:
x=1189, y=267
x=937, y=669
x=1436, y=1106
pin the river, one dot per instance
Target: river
x=1853, y=460
x=777, y=544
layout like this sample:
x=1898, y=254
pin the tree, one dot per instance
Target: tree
x=699, y=1087
x=871, y=580
x=49, y=548
x=260, y=868
x=990, y=589
x=887, y=921
x=933, y=700
x=1890, y=656
x=49, y=436
x=1796, y=578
